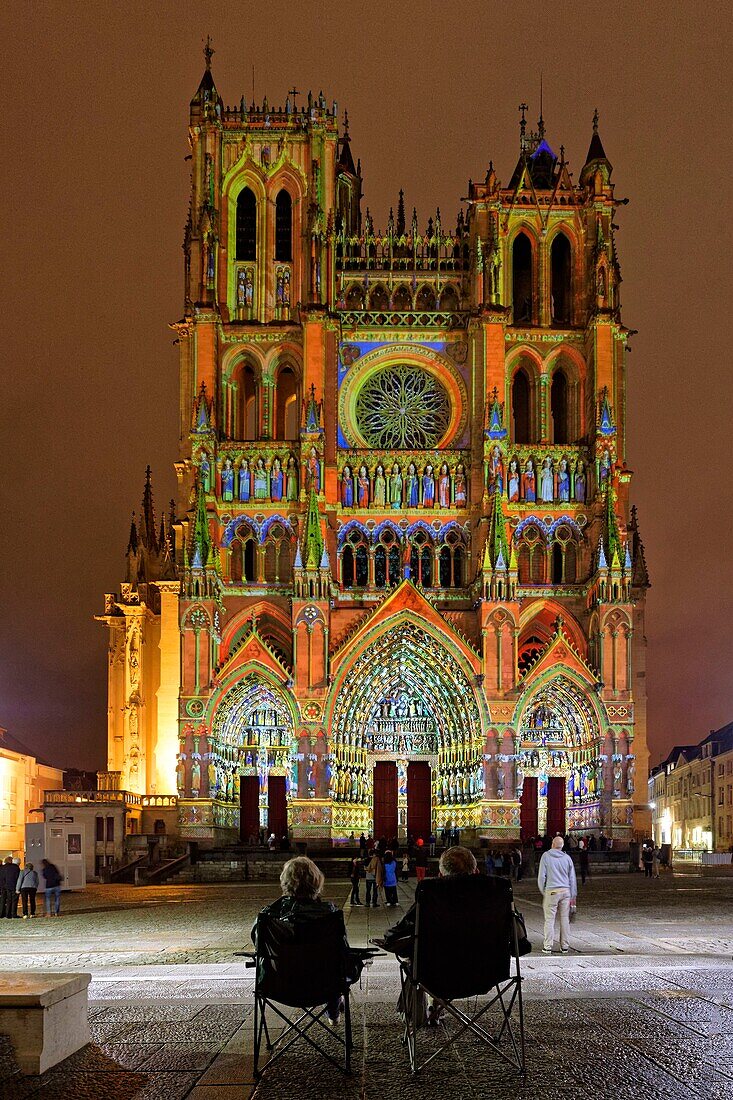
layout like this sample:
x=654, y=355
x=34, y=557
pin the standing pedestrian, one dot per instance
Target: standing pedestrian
x=53, y=879
x=647, y=859
x=499, y=862
x=558, y=886
x=516, y=863
x=656, y=860
x=9, y=873
x=355, y=874
x=489, y=862
x=421, y=863
x=432, y=842
x=390, y=879
x=362, y=845
x=405, y=867
x=374, y=878
x=27, y=887
x=584, y=862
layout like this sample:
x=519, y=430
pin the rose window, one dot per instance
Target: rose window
x=403, y=408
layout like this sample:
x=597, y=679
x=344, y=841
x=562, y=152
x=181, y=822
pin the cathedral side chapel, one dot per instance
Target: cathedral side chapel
x=402, y=585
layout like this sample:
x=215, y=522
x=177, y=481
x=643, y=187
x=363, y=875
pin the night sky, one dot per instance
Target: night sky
x=95, y=113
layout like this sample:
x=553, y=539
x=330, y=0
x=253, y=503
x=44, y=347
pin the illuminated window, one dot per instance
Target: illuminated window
x=403, y=408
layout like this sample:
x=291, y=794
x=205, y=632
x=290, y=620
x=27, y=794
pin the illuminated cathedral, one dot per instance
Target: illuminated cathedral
x=402, y=586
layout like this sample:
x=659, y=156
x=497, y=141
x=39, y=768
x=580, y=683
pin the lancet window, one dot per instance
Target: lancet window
x=522, y=290
x=283, y=226
x=560, y=280
x=246, y=225
x=287, y=404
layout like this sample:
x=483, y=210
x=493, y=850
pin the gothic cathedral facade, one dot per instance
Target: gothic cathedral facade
x=402, y=586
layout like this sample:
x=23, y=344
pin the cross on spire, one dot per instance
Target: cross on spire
x=208, y=51
x=293, y=92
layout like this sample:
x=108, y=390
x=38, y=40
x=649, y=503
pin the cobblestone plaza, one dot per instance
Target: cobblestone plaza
x=642, y=1007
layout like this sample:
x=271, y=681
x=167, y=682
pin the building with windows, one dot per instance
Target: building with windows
x=402, y=585
x=691, y=793
x=23, y=779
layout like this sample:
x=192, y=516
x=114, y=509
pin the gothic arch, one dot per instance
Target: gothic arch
x=405, y=654
x=522, y=251
x=544, y=614
x=241, y=623
x=568, y=703
x=523, y=404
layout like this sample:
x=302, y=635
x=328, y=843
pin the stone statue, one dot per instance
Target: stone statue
x=227, y=480
x=195, y=777
x=380, y=486
x=180, y=774
x=630, y=769
x=395, y=487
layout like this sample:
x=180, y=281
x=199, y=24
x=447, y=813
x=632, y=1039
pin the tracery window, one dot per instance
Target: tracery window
x=244, y=555
x=451, y=562
x=387, y=561
x=564, y=556
x=403, y=408
x=277, y=555
x=421, y=559
x=532, y=557
x=355, y=562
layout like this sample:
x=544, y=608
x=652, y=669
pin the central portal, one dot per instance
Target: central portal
x=389, y=795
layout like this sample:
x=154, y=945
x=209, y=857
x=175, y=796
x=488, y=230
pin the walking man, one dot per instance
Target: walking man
x=557, y=884
x=52, y=877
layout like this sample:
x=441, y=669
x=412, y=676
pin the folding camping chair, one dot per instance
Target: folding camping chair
x=303, y=966
x=464, y=946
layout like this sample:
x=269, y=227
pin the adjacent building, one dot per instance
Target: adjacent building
x=691, y=793
x=402, y=585
x=24, y=777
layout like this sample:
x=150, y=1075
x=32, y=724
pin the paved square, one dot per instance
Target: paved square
x=643, y=1006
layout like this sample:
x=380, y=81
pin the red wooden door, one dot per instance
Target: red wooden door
x=249, y=807
x=385, y=800
x=528, y=818
x=277, y=806
x=556, y=805
x=418, y=800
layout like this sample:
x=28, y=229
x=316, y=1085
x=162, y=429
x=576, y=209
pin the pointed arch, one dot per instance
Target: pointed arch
x=246, y=225
x=283, y=226
x=523, y=279
x=524, y=371
x=561, y=279
x=287, y=401
x=404, y=654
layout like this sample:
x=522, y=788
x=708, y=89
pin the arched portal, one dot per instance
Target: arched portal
x=559, y=767
x=406, y=733
x=252, y=743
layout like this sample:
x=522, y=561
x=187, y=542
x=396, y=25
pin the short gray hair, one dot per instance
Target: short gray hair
x=300, y=878
x=457, y=861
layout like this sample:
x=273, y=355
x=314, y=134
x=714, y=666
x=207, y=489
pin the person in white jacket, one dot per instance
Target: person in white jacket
x=556, y=880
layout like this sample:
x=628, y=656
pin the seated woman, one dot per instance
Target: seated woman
x=302, y=884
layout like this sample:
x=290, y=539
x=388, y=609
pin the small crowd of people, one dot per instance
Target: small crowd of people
x=23, y=883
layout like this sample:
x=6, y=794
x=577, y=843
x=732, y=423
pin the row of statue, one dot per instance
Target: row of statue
x=458, y=785
x=549, y=482
x=391, y=487
x=348, y=784
x=259, y=479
